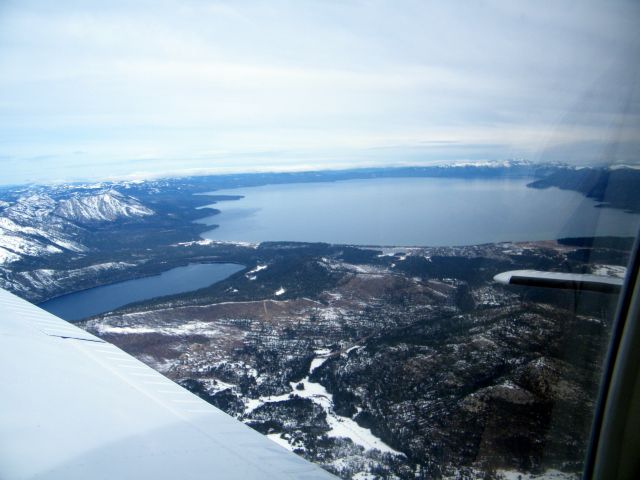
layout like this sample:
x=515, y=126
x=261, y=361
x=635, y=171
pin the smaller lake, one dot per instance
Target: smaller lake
x=94, y=301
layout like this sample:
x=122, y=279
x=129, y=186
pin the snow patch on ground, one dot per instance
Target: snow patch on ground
x=322, y=356
x=393, y=251
x=163, y=367
x=204, y=241
x=548, y=475
x=190, y=328
x=335, y=265
x=609, y=270
x=364, y=476
x=214, y=386
x=47, y=278
x=355, y=347
x=259, y=268
x=7, y=257
x=275, y=437
x=252, y=403
x=236, y=243
x=332, y=313
x=340, y=427
x=251, y=274
x=22, y=245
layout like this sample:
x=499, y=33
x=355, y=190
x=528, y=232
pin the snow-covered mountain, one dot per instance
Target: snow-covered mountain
x=24, y=240
x=38, y=224
x=494, y=164
x=102, y=207
x=28, y=228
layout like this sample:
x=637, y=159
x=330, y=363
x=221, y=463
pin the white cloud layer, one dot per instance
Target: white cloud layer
x=97, y=89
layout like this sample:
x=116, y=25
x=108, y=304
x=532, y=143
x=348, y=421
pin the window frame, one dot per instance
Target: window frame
x=613, y=448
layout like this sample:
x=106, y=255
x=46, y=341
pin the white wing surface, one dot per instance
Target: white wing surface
x=75, y=407
x=567, y=281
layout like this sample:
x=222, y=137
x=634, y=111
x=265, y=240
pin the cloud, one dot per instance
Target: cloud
x=325, y=81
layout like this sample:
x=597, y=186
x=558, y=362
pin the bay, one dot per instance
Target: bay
x=412, y=212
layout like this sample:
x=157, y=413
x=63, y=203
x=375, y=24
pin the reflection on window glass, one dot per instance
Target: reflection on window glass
x=305, y=213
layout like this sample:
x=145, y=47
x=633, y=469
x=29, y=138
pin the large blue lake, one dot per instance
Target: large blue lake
x=93, y=301
x=413, y=211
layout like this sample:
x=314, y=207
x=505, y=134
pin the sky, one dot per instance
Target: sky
x=139, y=89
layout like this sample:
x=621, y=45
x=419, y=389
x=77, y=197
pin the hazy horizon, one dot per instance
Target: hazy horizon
x=150, y=177
x=144, y=89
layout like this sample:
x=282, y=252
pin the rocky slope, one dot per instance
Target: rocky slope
x=36, y=225
x=101, y=207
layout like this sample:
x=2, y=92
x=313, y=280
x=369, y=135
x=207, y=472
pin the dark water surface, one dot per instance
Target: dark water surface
x=93, y=301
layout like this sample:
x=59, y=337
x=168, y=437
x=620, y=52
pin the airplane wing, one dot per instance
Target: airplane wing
x=73, y=406
x=568, y=281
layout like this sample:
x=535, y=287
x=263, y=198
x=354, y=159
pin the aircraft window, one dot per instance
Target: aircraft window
x=392, y=237
x=547, y=408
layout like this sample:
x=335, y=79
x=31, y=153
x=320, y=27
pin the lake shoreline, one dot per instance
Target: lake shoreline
x=58, y=305
x=410, y=212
